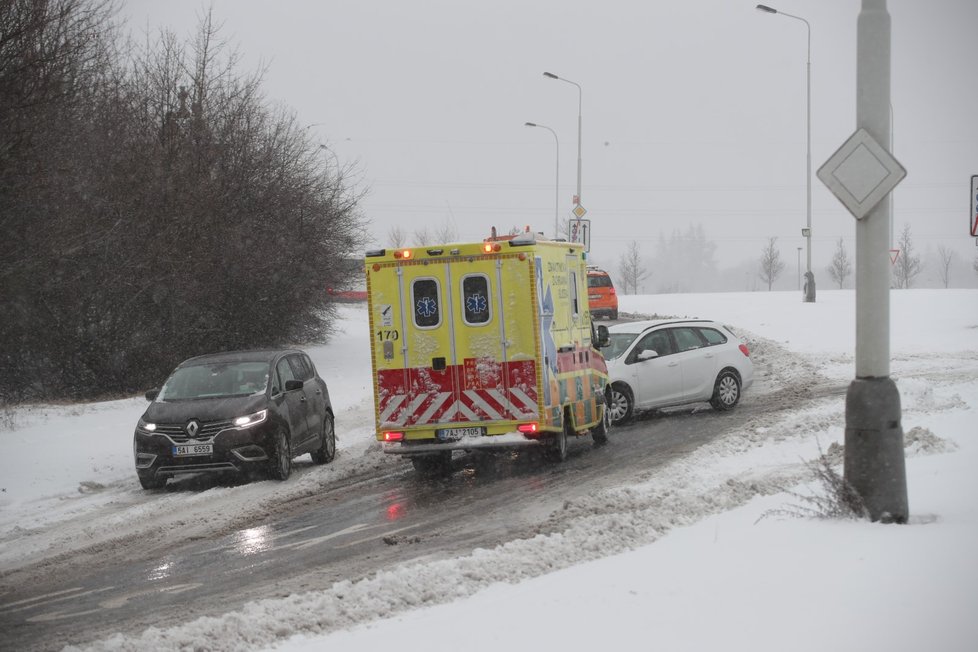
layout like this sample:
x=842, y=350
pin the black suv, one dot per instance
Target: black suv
x=235, y=412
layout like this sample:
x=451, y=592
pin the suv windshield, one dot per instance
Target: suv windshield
x=619, y=342
x=215, y=380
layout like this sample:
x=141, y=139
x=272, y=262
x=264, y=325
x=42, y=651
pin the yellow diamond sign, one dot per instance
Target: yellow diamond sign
x=579, y=211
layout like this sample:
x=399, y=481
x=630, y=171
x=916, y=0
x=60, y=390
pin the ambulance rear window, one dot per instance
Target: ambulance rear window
x=475, y=299
x=427, y=307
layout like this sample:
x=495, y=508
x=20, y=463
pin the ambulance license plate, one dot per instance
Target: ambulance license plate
x=454, y=434
x=186, y=450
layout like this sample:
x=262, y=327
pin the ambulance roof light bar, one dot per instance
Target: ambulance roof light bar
x=524, y=239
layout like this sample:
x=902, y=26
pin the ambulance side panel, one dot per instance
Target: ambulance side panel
x=574, y=376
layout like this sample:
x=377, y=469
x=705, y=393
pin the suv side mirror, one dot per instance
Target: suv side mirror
x=291, y=385
x=604, y=338
x=152, y=394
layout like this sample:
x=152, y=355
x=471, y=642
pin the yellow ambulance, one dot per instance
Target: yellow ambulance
x=484, y=346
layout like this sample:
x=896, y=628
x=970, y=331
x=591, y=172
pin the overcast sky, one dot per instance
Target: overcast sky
x=693, y=111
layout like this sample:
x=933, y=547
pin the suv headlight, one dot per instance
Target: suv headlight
x=145, y=426
x=251, y=419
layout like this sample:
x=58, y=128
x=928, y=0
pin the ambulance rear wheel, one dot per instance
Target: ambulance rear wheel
x=558, y=450
x=599, y=433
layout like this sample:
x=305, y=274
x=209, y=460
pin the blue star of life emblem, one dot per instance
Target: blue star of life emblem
x=476, y=304
x=426, y=306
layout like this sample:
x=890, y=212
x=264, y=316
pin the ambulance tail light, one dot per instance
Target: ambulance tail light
x=529, y=428
x=393, y=436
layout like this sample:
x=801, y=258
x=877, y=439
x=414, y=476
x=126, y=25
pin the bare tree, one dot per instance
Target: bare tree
x=446, y=232
x=396, y=236
x=422, y=237
x=945, y=254
x=841, y=268
x=908, y=265
x=150, y=199
x=771, y=264
x=631, y=269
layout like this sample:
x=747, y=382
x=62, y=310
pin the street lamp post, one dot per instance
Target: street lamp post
x=810, y=294
x=557, y=182
x=580, y=105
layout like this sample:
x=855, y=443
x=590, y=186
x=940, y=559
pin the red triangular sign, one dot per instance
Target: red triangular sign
x=894, y=254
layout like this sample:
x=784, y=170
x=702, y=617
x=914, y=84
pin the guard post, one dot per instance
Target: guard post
x=862, y=174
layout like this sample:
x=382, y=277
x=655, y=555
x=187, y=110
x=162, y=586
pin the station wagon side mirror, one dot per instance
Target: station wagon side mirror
x=152, y=394
x=291, y=385
x=604, y=338
x=647, y=354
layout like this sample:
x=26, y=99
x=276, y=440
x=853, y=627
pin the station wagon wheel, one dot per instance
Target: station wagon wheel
x=622, y=403
x=726, y=392
x=281, y=462
x=327, y=449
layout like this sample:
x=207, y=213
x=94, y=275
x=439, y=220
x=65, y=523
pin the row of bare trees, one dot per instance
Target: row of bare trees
x=153, y=206
x=684, y=259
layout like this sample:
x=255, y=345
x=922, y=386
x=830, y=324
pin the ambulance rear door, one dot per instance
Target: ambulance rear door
x=453, y=335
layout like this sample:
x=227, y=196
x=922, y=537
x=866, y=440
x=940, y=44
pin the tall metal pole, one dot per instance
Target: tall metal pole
x=810, y=295
x=580, y=107
x=874, y=459
x=810, y=278
x=557, y=182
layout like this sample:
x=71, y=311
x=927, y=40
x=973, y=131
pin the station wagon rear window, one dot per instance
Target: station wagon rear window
x=425, y=298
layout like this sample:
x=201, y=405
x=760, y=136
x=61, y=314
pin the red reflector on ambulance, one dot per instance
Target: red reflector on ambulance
x=393, y=436
x=528, y=428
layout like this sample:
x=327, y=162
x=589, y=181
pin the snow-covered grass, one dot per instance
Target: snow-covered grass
x=682, y=558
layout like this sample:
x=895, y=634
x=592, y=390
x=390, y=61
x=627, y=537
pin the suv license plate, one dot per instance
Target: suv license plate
x=185, y=450
x=454, y=434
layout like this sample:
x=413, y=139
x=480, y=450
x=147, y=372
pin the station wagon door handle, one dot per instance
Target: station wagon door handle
x=302, y=399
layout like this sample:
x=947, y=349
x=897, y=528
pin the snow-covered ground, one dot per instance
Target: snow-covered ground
x=680, y=559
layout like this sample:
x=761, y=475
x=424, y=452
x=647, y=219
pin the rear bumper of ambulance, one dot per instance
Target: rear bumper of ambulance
x=428, y=446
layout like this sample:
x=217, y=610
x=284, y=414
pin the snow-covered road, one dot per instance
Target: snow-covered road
x=81, y=502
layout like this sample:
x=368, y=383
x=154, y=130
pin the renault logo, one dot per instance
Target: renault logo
x=192, y=427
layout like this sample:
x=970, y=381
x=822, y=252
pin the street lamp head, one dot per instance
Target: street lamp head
x=550, y=75
x=766, y=9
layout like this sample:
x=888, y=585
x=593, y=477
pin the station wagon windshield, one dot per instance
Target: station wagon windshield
x=618, y=345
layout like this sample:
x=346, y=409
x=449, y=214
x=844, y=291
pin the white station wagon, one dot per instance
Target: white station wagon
x=667, y=362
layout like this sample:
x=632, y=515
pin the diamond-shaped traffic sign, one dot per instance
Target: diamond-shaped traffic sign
x=579, y=211
x=861, y=173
